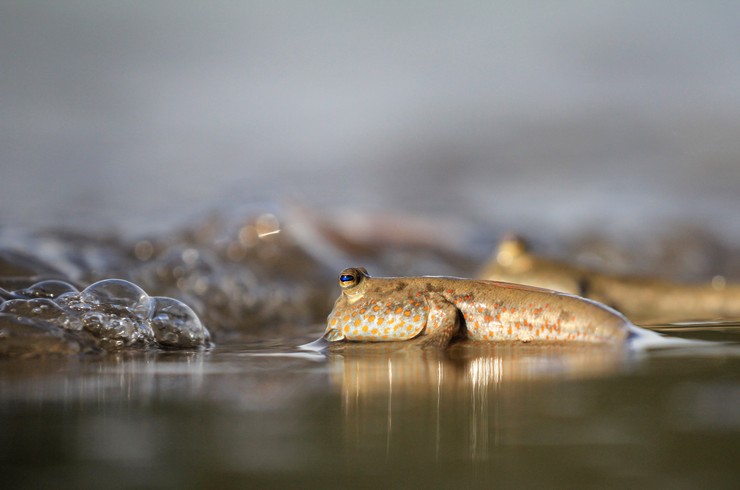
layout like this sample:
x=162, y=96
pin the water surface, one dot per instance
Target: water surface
x=264, y=413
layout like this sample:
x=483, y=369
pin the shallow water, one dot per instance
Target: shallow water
x=606, y=134
x=265, y=413
x=257, y=410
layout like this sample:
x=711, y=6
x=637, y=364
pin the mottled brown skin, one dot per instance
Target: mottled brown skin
x=435, y=309
x=639, y=298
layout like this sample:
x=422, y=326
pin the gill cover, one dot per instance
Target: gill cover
x=360, y=315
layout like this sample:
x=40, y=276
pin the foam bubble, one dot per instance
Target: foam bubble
x=116, y=330
x=113, y=314
x=41, y=309
x=117, y=293
x=175, y=324
x=47, y=289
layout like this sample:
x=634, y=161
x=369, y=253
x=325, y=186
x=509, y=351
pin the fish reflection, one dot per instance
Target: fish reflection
x=388, y=390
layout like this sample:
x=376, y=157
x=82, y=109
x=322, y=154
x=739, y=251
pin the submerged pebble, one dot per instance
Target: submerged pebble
x=111, y=314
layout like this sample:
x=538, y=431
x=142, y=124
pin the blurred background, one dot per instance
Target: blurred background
x=538, y=116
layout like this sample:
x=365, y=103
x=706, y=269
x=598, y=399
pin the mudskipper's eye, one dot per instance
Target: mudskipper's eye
x=351, y=277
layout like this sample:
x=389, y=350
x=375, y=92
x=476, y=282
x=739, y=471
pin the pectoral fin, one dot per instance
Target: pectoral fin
x=443, y=323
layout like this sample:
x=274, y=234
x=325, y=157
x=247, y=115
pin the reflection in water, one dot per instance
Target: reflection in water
x=387, y=379
x=517, y=415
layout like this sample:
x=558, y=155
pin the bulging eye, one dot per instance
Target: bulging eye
x=351, y=277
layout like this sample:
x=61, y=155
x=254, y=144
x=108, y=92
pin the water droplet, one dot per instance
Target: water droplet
x=176, y=324
x=267, y=225
x=247, y=236
x=117, y=293
x=144, y=250
x=190, y=256
x=47, y=289
x=719, y=283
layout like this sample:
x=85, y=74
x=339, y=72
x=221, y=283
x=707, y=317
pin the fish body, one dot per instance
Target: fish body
x=436, y=309
x=641, y=299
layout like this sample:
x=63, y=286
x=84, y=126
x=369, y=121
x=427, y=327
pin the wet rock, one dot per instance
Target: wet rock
x=19, y=264
x=26, y=337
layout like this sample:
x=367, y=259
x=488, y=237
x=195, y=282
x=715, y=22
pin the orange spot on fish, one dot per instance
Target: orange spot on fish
x=417, y=318
x=374, y=331
x=358, y=323
x=364, y=328
x=399, y=310
x=380, y=321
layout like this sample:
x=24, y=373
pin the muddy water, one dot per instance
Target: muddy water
x=264, y=413
x=607, y=134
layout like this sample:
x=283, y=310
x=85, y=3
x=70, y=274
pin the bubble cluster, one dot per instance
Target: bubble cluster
x=111, y=314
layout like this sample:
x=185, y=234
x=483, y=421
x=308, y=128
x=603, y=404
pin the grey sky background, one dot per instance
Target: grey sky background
x=542, y=115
